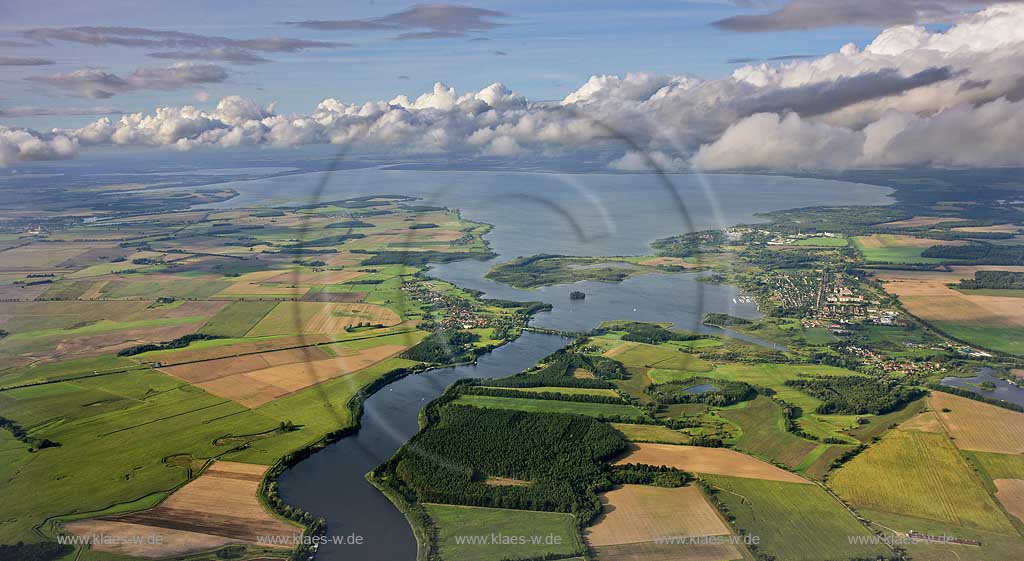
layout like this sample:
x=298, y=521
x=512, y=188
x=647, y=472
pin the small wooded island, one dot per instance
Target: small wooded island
x=577, y=295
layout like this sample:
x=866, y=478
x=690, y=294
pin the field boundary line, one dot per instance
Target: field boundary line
x=302, y=346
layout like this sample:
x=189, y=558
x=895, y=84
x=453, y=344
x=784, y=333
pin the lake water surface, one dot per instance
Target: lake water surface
x=599, y=215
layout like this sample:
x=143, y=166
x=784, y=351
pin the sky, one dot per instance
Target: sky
x=708, y=77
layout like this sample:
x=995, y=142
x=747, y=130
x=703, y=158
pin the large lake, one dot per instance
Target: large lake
x=532, y=213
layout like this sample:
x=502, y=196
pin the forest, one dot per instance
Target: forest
x=442, y=347
x=653, y=334
x=563, y=456
x=557, y=371
x=994, y=279
x=978, y=253
x=856, y=395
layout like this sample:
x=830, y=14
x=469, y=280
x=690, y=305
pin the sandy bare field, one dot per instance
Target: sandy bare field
x=254, y=380
x=1011, y=495
x=231, y=351
x=619, y=349
x=998, y=228
x=171, y=542
x=320, y=277
x=891, y=240
x=217, y=508
x=321, y=317
x=918, y=221
x=926, y=295
x=979, y=426
x=924, y=422
x=252, y=289
x=698, y=459
x=642, y=513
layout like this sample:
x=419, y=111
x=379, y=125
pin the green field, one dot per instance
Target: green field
x=891, y=248
x=114, y=432
x=556, y=533
x=571, y=391
x=553, y=406
x=795, y=522
x=774, y=377
x=921, y=475
x=1003, y=338
x=764, y=432
x=997, y=466
x=823, y=241
x=641, y=355
x=237, y=318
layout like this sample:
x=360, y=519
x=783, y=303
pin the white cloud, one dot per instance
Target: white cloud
x=19, y=144
x=911, y=97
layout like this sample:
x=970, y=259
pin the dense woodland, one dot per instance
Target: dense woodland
x=652, y=333
x=557, y=371
x=687, y=245
x=442, y=347
x=856, y=395
x=978, y=253
x=994, y=279
x=563, y=456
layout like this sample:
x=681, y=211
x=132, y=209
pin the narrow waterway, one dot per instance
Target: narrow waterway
x=331, y=483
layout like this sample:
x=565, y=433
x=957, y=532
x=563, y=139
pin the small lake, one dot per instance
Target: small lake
x=1004, y=390
x=702, y=388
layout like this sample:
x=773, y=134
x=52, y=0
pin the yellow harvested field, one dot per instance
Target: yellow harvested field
x=619, y=349
x=899, y=240
x=319, y=277
x=926, y=296
x=322, y=317
x=253, y=289
x=997, y=228
x=974, y=425
x=582, y=374
x=924, y=422
x=1011, y=495
x=699, y=459
x=254, y=380
x=918, y=221
x=219, y=507
x=234, y=350
x=642, y=513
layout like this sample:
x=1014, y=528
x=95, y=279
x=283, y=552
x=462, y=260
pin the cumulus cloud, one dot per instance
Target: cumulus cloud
x=23, y=61
x=809, y=14
x=100, y=84
x=23, y=145
x=432, y=21
x=912, y=97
